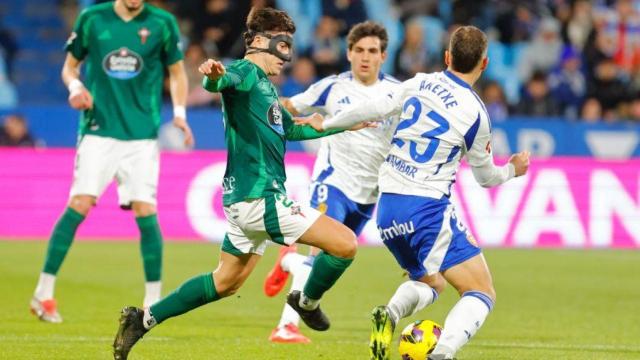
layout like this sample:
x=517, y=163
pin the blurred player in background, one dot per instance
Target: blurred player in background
x=126, y=46
x=443, y=120
x=255, y=200
x=345, y=177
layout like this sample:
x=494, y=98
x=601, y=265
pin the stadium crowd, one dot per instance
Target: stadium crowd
x=572, y=59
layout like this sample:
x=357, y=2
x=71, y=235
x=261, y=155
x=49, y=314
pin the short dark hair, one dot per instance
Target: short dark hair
x=467, y=47
x=267, y=19
x=368, y=28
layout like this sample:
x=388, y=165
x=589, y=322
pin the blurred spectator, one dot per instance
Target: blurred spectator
x=515, y=22
x=346, y=12
x=536, y=99
x=15, y=133
x=326, y=49
x=8, y=50
x=412, y=57
x=495, y=101
x=412, y=8
x=622, y=25
x=543, y=53
x=197, y=95
x=8, y=94
x=580, y=25
x=303, y=74
x=568, y=84
x=634, y=109
x=217, y=27
x=608, y=88
x=591, y=110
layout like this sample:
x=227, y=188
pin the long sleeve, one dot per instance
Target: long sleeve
x=480, y=158
x=376, y=109
x=238, y=76
x=297, y=132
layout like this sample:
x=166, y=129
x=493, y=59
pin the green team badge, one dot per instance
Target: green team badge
x=274, y=116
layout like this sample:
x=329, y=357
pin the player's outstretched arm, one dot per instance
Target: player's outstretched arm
x=79, y=97
x=489, y=175
x=373, y=110
x=179, y=85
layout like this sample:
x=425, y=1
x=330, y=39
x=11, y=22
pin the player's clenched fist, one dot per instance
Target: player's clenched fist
x=520, y=162
x=80, y=98
x=212, y=69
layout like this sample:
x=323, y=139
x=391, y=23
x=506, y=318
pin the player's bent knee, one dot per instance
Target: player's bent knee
x=82, y=203
x=141, y=209
x=348, y=246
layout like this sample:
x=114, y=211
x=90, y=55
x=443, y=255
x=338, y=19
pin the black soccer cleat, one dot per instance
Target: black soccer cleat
x=314, y=319
x=130, y=331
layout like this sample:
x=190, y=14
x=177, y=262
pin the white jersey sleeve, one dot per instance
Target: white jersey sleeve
x=480, y=158
x=375, y=109
x=314, y=99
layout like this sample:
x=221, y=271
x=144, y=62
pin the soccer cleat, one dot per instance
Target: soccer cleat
x=277, y=277
x=441, y=357
x=130, y=331
x=45, y=310
x=314, y=319
x=288, y=334
x=381, y=333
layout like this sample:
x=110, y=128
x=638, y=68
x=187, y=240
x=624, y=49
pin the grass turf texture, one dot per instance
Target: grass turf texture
x=551, y=304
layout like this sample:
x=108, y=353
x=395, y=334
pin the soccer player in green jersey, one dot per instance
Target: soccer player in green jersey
x=255, y=201
x=125, y=45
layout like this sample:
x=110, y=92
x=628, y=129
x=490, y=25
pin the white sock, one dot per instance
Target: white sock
x=45, y=287
x=291, y=261
x=148, y=320
x=300, y=272
x=411, y=297
x=152, y=291
x=463, y=321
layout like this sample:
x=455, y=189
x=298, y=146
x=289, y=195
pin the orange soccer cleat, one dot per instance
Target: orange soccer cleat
x=277, y=277
x=288, y=334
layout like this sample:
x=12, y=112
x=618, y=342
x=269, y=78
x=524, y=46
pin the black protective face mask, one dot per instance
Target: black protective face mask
x=274, y=40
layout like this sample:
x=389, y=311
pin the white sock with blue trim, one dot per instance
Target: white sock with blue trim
x=410, y=297
x=463, y=321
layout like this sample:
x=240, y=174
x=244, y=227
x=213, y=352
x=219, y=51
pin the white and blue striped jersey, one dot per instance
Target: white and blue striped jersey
x=349, y=161
x=442, y=120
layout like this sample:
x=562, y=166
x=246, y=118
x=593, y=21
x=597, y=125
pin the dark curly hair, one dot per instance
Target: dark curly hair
x=267, y=19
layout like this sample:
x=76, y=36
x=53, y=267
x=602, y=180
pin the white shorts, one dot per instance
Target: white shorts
x=134, y=164
x=275, y=218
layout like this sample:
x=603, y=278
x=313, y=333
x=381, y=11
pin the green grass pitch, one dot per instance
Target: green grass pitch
x=551, y=304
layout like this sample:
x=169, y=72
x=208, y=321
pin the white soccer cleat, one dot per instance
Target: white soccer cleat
x=46, y=310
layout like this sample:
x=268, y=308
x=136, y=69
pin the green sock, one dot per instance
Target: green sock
x=325, y=272
x=61, y=239
x=195, y=292
x=150, y=246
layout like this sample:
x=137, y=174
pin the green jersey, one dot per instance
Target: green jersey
x=124, y=68
x=256, y=129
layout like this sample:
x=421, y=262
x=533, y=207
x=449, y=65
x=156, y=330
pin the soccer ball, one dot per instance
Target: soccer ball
x=418, y=339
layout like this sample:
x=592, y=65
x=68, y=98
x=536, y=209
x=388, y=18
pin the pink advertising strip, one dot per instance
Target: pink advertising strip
x=562, y=202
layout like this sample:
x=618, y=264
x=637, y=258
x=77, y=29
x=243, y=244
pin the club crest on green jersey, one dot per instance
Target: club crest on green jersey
x=274, y=116
x=122, y=64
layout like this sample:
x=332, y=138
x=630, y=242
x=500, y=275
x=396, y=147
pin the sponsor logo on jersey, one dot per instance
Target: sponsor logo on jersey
x=396, y=230
x=274, y=116
x=122, y=64
x=144, y=34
